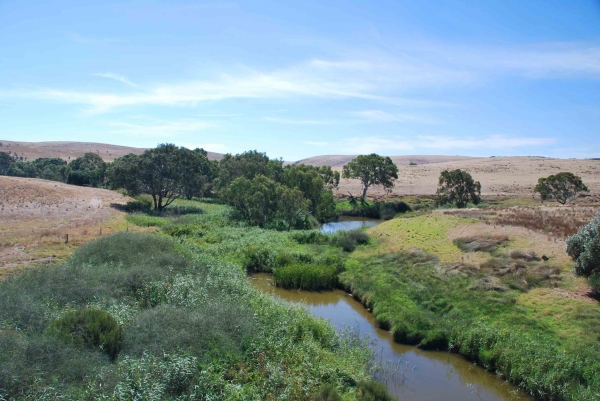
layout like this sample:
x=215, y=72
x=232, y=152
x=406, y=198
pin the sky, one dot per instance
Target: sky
x=297, y=79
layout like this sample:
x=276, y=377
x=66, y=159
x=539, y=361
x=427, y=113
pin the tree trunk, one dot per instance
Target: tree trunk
x=364, y=194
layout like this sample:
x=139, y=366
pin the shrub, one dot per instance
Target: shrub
x=584, y=248
x=309, y=277
x=140, y=204
x=90, y=327
x=373, y=391
x=259, y=258
x=310, y=237
x=348, y=240
x=328, y=393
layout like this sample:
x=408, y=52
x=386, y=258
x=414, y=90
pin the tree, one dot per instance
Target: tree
x=584, y=249
x=163, y=173
x=6, y=162
x=309, y=180
x=200, y=184
x=372, y=170
x=458, y=187
x=248, y=165
x=562, y=187
x=89, y=169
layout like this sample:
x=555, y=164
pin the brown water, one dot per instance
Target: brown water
x=410, y=373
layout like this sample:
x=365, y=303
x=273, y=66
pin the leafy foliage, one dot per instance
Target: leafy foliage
x=373, y=391
x=562, y=187
x=165, y=173
x=372, y=170
x=457, y=187
x=90, y=327
x=89, y=169
x=584, y=248
x=311, y=277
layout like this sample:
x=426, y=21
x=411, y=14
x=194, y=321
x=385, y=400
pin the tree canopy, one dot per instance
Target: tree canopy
x=89, y=169
x=458, y=188
x=562, y=187
x=164, y=172
x=372, y=170
x=584, y=249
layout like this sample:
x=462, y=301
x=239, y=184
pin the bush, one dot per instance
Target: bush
x=328, y=393
x=310, y=237
x=584, y=248
x=259, y=258
x=140, y=204
x=348, y=240
x=309, y=277
x=373, y=391
x=90, y=327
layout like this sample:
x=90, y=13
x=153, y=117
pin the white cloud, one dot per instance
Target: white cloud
x=382, y=116
x=428, y=142
x=161, y=129
x=316, y=143
x=116, y=77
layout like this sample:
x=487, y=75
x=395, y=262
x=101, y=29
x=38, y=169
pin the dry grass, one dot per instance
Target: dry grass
x=36, y=215
x=71, y=150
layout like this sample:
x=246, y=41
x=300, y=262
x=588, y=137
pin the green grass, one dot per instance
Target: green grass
x=306, y=276
x=192, y=326
x=550, y=350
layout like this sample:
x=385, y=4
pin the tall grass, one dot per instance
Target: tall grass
x=193, y=328
x=309, y=277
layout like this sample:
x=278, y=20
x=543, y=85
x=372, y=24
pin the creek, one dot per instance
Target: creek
x=348, y=223
x=410, y=374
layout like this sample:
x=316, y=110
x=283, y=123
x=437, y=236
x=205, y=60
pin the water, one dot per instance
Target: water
x=347, y=224
x=410, y=373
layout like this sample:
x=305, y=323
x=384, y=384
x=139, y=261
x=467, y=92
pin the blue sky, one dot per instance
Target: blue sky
x=297, y=79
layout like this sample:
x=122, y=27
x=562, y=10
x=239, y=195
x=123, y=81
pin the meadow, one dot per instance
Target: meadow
x=192, y=328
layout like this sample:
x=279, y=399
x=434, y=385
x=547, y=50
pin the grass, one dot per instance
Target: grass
x=192, y=328
x=427, y=232
x=525, y=319
x=311, y=277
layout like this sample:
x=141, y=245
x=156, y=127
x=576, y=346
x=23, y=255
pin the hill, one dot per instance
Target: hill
x=71, y=150
x=342, y=160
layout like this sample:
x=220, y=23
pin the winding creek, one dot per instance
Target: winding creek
x=409, y=373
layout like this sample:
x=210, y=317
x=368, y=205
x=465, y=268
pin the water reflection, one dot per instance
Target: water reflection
x=410, y=373
x=347, y=224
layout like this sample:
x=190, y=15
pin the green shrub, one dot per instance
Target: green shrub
x=373, y=391
x=584, y=248
x=90, y=327
x=310, y=237
x=259, y=258
x=309, y=277
x=348, y=240
x=328, y=393
x=140, y=204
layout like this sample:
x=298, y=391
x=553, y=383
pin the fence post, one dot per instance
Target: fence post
x=66, y=238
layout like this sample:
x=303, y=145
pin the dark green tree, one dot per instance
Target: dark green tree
x=584, y=249
x=309, y=180
x=123, y=173
x=248, y=165
x=164, y=172
x=457, y=187
x=89, y=169
x=6, y=162
x=562, y=187
x=372, y=170
x=200, y=184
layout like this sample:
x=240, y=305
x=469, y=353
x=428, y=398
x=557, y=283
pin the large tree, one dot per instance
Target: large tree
x=6, y=162
x=163, y=172
x=458, y=188
x=372, y=170
x=248, y=165
x=314, y=187
x=562, y=187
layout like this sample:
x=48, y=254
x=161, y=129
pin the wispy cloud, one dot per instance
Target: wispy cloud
x=382, y=116
x=160, y=129
x=116, y=77
x=375, y=78
x=437, y=142
x=316, y=143
x=298, y=122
